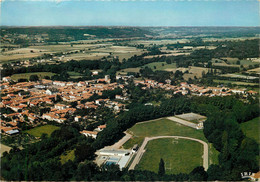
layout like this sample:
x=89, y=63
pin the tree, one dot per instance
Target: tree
x=84, y=152
x=214, y=173
x=34, y=78
x=161, y=170
x=198, y=174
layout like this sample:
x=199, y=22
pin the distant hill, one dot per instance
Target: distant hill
x=209, y=30
x=79, y=33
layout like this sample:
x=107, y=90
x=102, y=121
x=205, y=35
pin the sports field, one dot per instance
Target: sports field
x=180, y=156
x=165, y=127
x=38, y=131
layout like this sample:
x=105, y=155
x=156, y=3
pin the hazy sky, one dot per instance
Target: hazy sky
x=131, y=13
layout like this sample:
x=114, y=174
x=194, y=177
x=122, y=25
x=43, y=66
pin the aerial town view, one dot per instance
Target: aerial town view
x=129, y=90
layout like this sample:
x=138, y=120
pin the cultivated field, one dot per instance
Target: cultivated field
x=38, y=131
x=182, y=155
x=192, y=71
x=87, y=50
x=125, y=71
x=159, y=42
x=41, y=75
x=166, y=55
x=234, y=82
x=239, y=76
x=66, y=47
x=256, y=70
x=245, y=63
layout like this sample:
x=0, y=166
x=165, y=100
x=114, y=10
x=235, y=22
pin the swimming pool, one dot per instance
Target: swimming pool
x=110, y=162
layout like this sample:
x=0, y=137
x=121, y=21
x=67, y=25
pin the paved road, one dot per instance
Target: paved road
x=183, y=122
x=147, y=139
x=121, y=142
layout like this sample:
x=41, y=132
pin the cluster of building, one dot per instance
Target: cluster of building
x=184, y=88
x=56, y=98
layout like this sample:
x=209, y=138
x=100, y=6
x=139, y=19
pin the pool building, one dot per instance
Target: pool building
x=112, y=156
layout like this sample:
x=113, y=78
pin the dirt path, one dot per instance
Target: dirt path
x=147, y=139
x=183, y=122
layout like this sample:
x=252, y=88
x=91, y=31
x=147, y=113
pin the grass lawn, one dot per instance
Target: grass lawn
x=165, y=127
x=38, y=131
x=41, y=75
x=251, y=129
x=182, y=156
x=69, y=155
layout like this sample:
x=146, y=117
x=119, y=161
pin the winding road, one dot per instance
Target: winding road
x=147, y=139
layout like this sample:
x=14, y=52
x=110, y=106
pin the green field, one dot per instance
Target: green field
x=73, y=74
x=41, y=75
x=125, y=71
x=162, y=127
x=182, y=156
x=245, y=63
x=38, y=131
x=160, y=66
x=165, y=127
x=234, y=82
x=251, y=129
x=68, y=155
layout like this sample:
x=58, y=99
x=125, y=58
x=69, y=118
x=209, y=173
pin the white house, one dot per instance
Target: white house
x=92, y=134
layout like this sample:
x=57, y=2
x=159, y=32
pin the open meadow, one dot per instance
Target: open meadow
x=162, y=66
x=38, y=131
x=41, y=75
